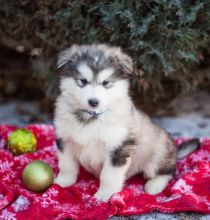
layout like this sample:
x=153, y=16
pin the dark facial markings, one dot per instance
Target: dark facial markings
x=120, y=155
x=107, y=84
x=82, y=118
x=81, y=82
x=69, y=69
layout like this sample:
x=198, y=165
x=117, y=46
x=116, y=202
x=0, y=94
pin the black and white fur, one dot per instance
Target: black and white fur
x=99, y=127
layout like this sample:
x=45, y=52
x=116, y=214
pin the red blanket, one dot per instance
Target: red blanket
x=188, y=191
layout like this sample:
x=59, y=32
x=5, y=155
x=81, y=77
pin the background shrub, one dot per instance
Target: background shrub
x=168, y=39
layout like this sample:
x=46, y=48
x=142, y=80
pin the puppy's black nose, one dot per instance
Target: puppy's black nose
x=93, y=102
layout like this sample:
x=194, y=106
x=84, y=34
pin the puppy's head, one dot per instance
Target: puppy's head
x=94, y=77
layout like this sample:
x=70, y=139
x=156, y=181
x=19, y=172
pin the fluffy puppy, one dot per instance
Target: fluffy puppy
x=99, y=127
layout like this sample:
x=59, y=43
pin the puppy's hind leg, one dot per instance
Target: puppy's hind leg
x=157, y=184
x=158, y=180
x=160, y=170
x=68, y=166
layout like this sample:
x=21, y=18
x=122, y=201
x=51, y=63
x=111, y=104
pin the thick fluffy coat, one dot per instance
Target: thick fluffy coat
x=99, y=127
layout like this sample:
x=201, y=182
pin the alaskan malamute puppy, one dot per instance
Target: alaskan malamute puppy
x=100, y=128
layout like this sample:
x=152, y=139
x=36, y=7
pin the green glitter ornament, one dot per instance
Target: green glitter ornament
x=37, y=176
x=21, y=141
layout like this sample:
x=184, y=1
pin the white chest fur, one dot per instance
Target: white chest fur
x=95, y=142
x=91, y=157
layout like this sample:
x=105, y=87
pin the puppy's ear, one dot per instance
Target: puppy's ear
x=66, y=59
x=67, y=55
x=123, y=62
x=126, y=64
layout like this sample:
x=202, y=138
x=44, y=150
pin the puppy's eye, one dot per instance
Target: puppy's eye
x=81, y=82
x=107, y=84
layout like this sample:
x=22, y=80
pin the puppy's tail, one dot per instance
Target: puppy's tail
x=187, y=147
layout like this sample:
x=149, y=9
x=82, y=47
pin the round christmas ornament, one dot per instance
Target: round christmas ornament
x=22, y=141
x=37, y=176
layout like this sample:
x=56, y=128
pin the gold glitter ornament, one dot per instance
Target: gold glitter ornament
x=37, y=176
x=22, y=141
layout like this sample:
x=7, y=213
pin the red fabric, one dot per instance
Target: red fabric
x=188, y=191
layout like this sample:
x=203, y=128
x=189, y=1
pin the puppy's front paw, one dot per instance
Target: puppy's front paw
x=64, y=180
x=103, y=195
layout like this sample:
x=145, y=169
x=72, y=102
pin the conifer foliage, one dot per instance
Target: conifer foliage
x=166, y=38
